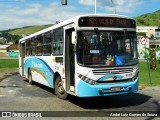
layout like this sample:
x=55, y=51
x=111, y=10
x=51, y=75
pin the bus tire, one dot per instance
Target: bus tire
x=59, y=90
x=30, y=77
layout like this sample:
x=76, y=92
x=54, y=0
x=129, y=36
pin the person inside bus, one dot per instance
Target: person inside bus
x=111, y=49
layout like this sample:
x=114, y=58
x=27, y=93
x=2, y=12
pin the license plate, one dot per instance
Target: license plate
x=115, y=89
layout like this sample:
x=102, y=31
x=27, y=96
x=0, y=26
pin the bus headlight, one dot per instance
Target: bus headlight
x=135, y=77
x=86, y=79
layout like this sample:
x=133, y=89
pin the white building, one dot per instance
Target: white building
x=145, y=29
x=3, y=48
x=3, y=40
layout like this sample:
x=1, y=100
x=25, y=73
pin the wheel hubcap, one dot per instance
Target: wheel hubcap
x=60, y=88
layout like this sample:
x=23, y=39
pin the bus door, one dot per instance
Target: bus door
x=22, y=56
x=69, y=60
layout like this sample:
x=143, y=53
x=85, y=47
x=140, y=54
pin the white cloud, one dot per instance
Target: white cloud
x=38, y=14
x=87, y=2
x=126, y=6
x=35, y=14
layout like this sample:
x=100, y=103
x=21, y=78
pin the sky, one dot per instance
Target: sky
x=20, y=13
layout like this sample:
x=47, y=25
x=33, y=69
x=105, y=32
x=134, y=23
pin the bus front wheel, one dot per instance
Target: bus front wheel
x=30, y=77
x=59, y=89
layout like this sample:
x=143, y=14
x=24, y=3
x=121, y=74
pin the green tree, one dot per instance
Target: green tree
x=16, y=39
x=141, y=34
x=150, y=54
x=11, y=38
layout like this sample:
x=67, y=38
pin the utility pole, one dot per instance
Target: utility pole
x=64, y=2
x=95, y=6
x=114, y=6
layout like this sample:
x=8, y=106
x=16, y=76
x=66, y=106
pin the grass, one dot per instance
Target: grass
x=144, y=75
x=28, y=30
x=8, y=65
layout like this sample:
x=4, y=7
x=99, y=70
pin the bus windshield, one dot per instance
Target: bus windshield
x=107, y=48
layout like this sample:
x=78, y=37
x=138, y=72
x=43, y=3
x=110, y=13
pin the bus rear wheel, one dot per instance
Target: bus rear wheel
x=30, y=77
x=59, y=89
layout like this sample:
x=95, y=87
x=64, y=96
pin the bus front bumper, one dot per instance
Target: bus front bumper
x=86, y=90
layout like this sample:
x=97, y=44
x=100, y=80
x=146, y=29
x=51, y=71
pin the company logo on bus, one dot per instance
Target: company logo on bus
x=115, y=78
x=37, y=65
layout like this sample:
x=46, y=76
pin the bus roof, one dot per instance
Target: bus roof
x=72, y=20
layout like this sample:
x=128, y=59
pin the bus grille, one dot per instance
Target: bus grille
x=112, y=71
x=115, y=81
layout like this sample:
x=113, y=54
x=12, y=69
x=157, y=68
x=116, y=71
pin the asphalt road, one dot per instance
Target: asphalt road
x=17, y=95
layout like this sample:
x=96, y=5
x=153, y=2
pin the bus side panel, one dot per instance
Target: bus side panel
x=20, y=67
x=41, y=71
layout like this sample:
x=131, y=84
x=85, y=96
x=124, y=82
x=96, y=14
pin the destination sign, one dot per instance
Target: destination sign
x=106, y=22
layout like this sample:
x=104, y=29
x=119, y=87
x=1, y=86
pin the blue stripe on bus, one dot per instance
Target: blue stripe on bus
x=118, y=77
x=41, y=66
x=86, y=90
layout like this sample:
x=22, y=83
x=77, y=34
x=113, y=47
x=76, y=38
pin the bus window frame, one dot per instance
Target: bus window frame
x=39, y=45
x=46, y=44
x=54, y=41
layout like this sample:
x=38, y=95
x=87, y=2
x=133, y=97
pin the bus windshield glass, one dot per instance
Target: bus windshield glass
x=107, y=48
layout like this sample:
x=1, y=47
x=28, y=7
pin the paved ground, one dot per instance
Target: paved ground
x=17, y=95
x=4, y=75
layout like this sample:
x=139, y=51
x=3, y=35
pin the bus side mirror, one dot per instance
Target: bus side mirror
x=73, y=37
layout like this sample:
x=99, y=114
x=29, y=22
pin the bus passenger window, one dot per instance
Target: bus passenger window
x=40, y=40
x=28, y=47
x=27, y=51
x=27, y=43
x=39, y=50
x=33, y=51
x=47, y=38
x=57, y=48
x=47, y=49
x=53, y=37
x=60, y=47
x=33, y=42
x=58, y=42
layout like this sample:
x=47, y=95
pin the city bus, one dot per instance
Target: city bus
x=85, y=56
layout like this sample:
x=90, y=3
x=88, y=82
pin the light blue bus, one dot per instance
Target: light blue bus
x=85, y=56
